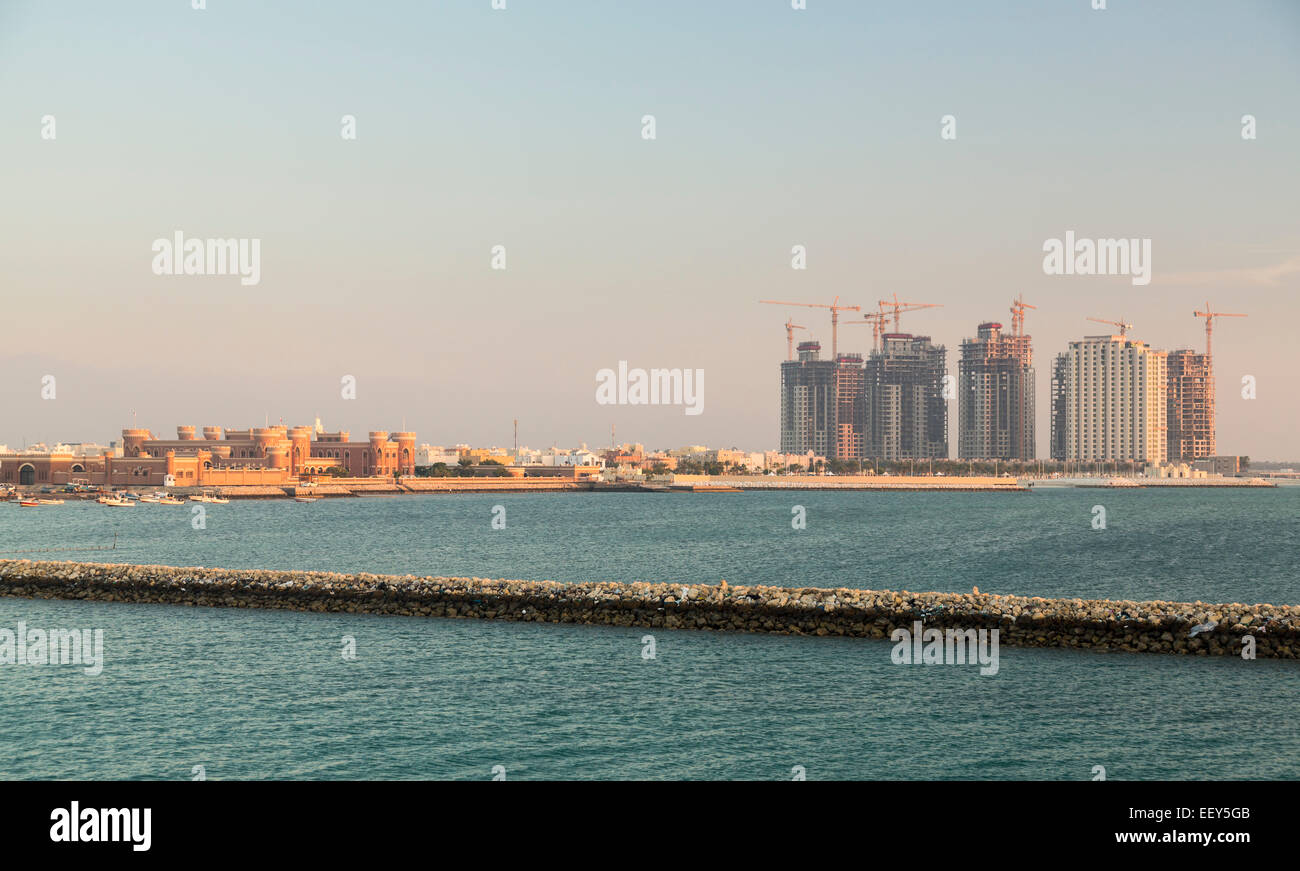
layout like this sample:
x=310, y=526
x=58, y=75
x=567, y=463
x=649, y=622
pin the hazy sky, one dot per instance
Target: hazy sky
x=523, y=128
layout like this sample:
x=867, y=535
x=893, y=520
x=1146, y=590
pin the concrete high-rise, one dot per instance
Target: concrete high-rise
x=1191, y=406
x=808, y=403
x=995, y=396
x=1057, y=435
x=822, y=404
x=1110, y=401
x=906, y=415
x=850, y=407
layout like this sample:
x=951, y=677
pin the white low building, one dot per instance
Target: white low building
x=580, y=457
x=1174, y=470
x=428, y=455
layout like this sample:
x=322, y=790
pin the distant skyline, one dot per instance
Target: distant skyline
x=523, y=128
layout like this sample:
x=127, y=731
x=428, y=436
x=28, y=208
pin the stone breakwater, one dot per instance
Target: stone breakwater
x=1096, y=624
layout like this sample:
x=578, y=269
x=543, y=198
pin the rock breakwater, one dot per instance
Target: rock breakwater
x=1194, y=628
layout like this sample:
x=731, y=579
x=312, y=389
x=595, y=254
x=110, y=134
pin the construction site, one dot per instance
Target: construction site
x=1192, y=396
x=1113, y=398
x=888, y=405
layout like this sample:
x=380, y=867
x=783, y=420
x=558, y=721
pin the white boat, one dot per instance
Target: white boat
x=150, y=499
x=116, y=502
x=170, y=500
x=306, y=498
x=210, y=498
x=50, y=501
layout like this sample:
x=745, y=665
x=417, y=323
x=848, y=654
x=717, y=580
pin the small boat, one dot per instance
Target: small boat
x=211, y=498
x=153, y=500
x=170, y=500
x=29, y=503
x=115, y=502
x=306, y=498
x=50, y=501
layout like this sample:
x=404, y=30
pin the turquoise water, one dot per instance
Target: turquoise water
x=251, y=694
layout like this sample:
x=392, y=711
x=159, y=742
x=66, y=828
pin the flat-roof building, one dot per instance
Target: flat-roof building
x=1191, y=406
x=1110, y=401
x=906, y=414
x=995, y=396
x=262, y=455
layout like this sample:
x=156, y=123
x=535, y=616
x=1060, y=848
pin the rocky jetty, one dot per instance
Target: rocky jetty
x=1193, y=628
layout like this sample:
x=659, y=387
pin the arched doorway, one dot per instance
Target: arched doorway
x=27, y=475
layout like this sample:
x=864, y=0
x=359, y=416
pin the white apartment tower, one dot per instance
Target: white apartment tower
x=1110, y=401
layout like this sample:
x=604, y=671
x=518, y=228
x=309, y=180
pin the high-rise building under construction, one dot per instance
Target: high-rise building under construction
x=1110, y=401
x=995, y=396
x=905, y=412
x=850, y=407
x=1191, y=406
x=822, y=404
x=808, y=403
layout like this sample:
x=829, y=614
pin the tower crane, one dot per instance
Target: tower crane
x=900, y=307
x=1209, y=314
x=1018, y=306
x=835, y=309
x=790, y=327
x=1123, y=327
x=877, y=321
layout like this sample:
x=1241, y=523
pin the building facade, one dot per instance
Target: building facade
x=1057, y=435
x=809, y=405
x=906, y=414
x=1191, y=406
x=1110, y=401
x=1229, y=466
x=850, y=408
x=265, y=455
x=995, y=396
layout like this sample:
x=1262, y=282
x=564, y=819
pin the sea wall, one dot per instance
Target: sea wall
x=855, y=482
x=1097, y=624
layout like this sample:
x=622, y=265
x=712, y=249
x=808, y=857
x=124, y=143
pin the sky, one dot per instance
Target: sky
x=522, y=127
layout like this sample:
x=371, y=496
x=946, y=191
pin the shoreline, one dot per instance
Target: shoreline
x=354, y=488
x=1023, y=621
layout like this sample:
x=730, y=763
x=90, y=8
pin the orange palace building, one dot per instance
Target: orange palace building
x=267, y=455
